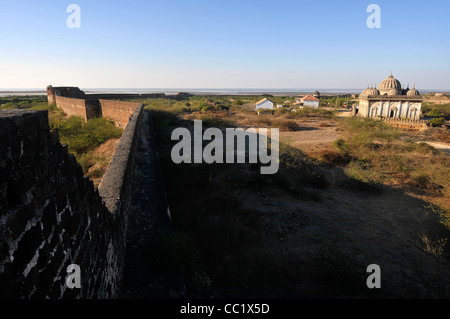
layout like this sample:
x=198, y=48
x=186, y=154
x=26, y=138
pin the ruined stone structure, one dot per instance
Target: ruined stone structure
x=53, y=92
x=51, y=216
x=390, y=100
x=75, y=102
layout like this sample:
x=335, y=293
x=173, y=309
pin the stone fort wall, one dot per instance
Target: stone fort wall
x=75, y=102
x=87, y=109
x=51, y=216
x=118, y=111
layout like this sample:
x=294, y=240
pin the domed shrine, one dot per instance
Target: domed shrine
x=390, y=100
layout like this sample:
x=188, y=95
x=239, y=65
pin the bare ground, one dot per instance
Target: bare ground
x=354, y=227
x=371, y=228
x=313, y=136
x=323, y=243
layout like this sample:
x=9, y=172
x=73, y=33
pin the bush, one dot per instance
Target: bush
x=360, y=170
x=334, y=158
x=365, y=131
x=310, y=112
x=286, y=125
x=341, y=145
x=238, y=102
x=424, y=181
x=83, y=137
x=435, y=113
x=24, y=102
x=207, y=108
x=437, y=122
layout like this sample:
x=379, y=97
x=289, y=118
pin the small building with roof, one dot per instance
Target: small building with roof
x=264, y=104
x=310, y=101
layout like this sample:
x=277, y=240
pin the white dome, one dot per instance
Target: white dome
x=390, y=86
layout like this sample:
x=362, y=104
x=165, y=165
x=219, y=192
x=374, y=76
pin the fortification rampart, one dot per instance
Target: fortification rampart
x=75, y=102
x=72, y=106
x=67, y=91
x=117, y=111
x=51, y=216
x=125, y=96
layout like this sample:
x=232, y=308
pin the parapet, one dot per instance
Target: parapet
x=75, y=102
x=52, y=216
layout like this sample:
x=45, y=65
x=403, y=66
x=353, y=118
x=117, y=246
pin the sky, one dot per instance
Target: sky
x=283, y=44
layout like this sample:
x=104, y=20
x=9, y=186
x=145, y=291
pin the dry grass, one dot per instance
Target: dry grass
x=434, y=247
x=379, y=155
x=442, y=135
x=239, y=230
x=332, y=157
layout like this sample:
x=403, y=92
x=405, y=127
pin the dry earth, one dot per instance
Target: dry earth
x=323, y=243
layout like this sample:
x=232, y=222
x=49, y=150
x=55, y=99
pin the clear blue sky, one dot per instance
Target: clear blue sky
x=223, y=44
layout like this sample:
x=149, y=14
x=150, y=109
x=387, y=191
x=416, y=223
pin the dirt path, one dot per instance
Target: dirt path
x=315, y=135
x=440, y=146
x=148, y=217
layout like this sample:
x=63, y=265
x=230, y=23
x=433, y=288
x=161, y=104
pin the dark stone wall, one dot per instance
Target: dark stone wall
x=51, y=216
x=69, y=91
x=72, y=92
x=93, y=109
x=125, y=96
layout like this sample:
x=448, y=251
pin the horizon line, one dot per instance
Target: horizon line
x=5, y=90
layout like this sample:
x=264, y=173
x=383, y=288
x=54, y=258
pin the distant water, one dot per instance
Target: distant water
x=21, y=92
x=219, y=91
x=275, y=92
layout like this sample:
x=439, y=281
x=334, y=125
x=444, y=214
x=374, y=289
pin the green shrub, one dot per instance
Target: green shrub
x=85, y=161
x=310, y=112
x=207, y=108
x=238, y=102
x=286, y=125
x=341, y=145
x=359, y=170
x=437, y=122
x=365, y=131
x=24, y=102
x=435, y=113
x=83, y=137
